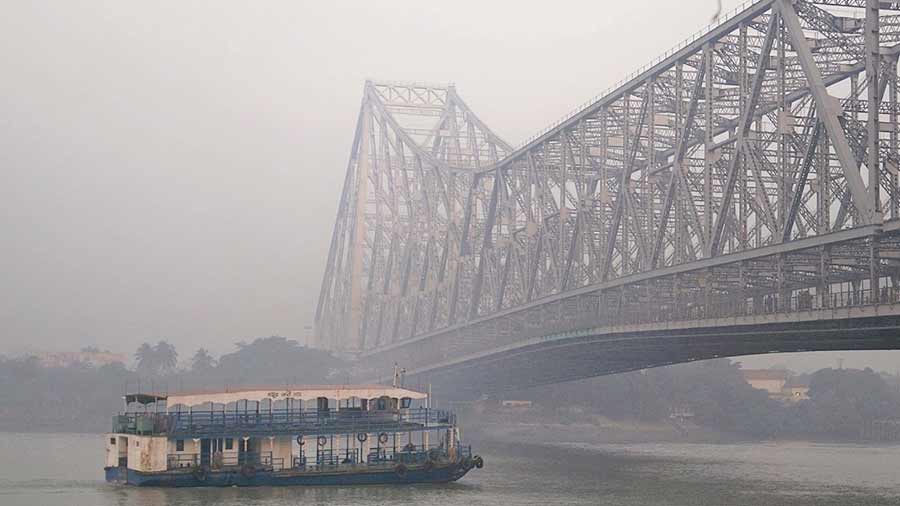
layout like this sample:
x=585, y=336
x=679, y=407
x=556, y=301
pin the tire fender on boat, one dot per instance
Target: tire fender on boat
x=248, y=471
x=322, y=440
x=383, y=438
x=401, y=470
x=479, y=462
x=199, y=473
x=428, y=465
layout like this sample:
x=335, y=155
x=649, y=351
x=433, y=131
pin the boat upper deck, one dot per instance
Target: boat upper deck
x=280, y=410
x=212, y=423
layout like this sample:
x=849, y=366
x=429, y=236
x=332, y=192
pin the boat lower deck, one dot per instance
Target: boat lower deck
x=248, y=477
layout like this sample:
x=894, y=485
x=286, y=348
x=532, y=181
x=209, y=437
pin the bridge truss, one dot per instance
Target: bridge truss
x=752, y=172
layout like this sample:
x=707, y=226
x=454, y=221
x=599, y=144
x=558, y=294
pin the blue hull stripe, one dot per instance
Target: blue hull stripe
x=260, y=478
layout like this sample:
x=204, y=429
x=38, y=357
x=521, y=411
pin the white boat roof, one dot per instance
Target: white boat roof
x=276, y=393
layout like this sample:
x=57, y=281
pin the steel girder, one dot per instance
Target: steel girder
x=755, y=135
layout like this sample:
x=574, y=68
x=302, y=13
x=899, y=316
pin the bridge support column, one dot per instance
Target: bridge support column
x=874, y=272
x=783, y=293
x=824, y=286
x=707, y=293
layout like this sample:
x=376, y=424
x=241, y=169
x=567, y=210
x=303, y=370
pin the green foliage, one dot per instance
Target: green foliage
x=83, y=398
x=65, y=399
x=155, y=360
x=277, y=360
x=202, y=362
x=842, y=401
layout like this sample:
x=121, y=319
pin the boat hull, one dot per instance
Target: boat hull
x=229, y=478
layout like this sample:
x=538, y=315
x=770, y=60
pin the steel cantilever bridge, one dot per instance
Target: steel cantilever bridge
x=738, y=196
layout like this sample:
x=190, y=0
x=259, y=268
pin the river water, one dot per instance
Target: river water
x=65, y=470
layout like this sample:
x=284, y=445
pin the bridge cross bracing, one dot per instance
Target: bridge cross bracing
x=751, y=173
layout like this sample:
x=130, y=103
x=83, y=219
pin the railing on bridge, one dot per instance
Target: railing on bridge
x=769, y=304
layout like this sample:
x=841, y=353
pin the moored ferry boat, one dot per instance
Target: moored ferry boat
x=303, y=435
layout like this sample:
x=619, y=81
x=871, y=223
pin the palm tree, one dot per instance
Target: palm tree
x=166, y=356
x=146, y=359
x=202, y=361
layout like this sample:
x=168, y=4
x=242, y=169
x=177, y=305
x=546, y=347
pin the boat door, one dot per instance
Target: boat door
x=204, y=452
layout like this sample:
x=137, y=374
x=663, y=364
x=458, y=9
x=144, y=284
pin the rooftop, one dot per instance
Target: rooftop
x=764, y=374
x=274, y=393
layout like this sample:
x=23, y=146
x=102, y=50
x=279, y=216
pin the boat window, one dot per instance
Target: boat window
x=405, y=402
x=229, y=443
x=112, y=440
x=382, y=404
x=179, y=445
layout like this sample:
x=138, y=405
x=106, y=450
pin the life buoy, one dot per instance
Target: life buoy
x=383, y=438
x=322, y=440
x=199, y=473
x=428, y=465
x=248, y=471
x=300, y=441
x=479, y=462
x=361, y=437
x=401, y=470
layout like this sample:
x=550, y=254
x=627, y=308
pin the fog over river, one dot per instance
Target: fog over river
x=65, y=469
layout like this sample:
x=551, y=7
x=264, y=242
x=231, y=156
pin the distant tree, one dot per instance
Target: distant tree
x=713, y=390
x=277, y=360
x=146, y=359
x=166, y=357
x=202, y=361
x=153, y=360
x=90, y=349
x=843, y=400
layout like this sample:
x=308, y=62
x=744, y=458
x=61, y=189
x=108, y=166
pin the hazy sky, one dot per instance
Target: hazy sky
x=171, y=169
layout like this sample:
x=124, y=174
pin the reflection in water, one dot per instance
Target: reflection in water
x=130, y=496
x=63, y=470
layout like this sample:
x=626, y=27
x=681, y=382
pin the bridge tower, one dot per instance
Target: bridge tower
x=414, y=179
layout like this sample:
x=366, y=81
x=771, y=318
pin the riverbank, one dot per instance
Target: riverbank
x=600, y=431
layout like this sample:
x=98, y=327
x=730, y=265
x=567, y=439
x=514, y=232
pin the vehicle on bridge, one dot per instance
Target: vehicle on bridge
x=302, y=435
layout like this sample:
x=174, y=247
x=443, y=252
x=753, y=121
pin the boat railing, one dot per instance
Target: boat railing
x=182, y=460
x=222, y=459
x=331, y=458
x=415, y=454
x=321, y=459
x=281, y=421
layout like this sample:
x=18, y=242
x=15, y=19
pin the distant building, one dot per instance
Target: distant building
x=778, y=383
x=69, y=358
x=770, y=380
x=795, y=390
